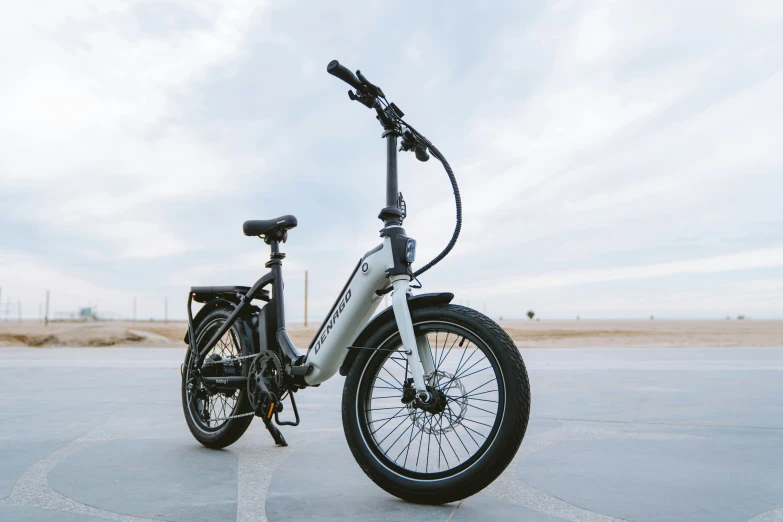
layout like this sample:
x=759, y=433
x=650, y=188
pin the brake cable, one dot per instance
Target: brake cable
x=457, y=199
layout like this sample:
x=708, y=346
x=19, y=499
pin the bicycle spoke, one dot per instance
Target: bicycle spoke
x=477, y=422
x=392, y=375
x=463, y=376
x=474, y=431
x=390, y=384
x=407, y=448
x=472, y=399
x=440, y=444
x=413, y=436
x=458, y=380
x=386, y=418
x=452, y=447
x=478, y=387
x=395, y=440
x=398, y=362
x=446, y=354
x=385, y=423
x=482, y=409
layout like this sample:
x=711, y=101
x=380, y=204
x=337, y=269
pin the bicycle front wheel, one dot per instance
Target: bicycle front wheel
x=460, y=441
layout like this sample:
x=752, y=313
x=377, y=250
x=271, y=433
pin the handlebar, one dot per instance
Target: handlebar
x=340, y=71
x=389, y=115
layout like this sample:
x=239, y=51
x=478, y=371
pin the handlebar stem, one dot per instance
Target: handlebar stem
x=391, y=214
x=392, y=189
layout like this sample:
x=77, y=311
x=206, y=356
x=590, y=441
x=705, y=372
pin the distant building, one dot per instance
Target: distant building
x=88, y=314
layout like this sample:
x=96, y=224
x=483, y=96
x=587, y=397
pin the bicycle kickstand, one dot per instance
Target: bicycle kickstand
x=276, y=434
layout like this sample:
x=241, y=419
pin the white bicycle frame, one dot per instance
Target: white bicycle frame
x=352, y=311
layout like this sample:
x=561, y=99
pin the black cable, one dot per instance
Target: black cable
x=457, y=201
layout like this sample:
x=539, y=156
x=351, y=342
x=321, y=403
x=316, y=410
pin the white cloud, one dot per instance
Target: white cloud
x=762, y=258
x=593, y=142
x=89, y=129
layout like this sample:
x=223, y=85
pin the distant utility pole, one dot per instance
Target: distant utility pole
x=46, y=317
x=40, y=311
x=165, y=309
x=134, y=309
x=7, y=307
x=19, y=310
x=305, y=322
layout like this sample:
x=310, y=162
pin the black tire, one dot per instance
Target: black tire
x=454, y=480
x=225, y=433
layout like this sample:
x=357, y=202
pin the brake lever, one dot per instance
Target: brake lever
x=411, y=143
x=374, y=89
x=366, y=100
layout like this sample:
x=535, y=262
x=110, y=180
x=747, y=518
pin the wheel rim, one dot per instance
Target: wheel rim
x=211, y=410
x=427, y=445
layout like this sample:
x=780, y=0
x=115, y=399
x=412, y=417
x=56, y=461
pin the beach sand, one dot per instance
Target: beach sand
x=525, y=333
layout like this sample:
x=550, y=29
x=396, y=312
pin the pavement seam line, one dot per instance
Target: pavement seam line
x=32, y=488
x=258, y=460
x=454, y=510
x=512, y=488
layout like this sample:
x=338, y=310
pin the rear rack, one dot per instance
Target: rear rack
x=202, y=294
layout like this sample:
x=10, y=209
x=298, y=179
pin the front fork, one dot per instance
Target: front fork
x=416, y=349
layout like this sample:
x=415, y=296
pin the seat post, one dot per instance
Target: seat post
x=275, y=263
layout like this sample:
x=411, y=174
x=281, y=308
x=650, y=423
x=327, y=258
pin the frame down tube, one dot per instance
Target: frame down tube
x=351, y=311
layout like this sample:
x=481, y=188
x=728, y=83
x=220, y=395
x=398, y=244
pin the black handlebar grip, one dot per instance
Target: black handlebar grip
x=340, y=71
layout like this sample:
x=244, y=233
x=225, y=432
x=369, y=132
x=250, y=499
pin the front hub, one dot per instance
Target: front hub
x=436, y=403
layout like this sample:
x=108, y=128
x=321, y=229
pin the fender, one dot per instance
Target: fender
x=218, y=302
x=414, y=302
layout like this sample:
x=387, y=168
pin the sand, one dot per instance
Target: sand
x=525, y=333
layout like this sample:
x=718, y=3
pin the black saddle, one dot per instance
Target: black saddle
x=272, y=229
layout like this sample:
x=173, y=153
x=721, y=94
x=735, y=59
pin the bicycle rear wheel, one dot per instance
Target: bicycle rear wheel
x=211, y=412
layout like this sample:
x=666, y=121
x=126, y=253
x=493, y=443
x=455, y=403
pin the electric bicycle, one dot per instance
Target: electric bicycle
x=436, y=398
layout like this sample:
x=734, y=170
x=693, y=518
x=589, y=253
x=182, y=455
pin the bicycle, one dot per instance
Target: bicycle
x=436, y=398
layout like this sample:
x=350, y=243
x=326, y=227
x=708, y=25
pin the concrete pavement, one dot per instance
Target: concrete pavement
x=640, y=434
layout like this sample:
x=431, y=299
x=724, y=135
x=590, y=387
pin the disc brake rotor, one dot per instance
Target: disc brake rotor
x=265, y=367
x=454, y=413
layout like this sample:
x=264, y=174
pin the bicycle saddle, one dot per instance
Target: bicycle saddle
x=269, y=227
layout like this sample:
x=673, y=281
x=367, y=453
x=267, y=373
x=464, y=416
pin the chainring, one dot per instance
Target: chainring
x=265, y=367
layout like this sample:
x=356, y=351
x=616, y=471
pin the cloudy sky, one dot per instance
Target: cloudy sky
x=616, y=159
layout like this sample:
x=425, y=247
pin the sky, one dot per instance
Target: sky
x=615, y=159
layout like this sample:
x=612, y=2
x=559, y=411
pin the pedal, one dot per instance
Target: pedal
x=270, y=411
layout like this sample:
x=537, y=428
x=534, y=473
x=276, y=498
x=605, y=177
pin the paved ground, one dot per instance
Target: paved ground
x=642, y=435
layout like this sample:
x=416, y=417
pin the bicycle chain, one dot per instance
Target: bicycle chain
x=231, y=360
